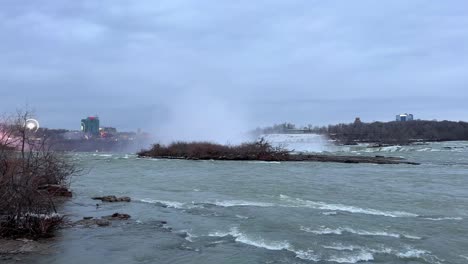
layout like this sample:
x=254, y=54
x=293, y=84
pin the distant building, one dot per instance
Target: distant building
x=90, y=125
x=107, y=132
x=404, y=117
x=357, y=120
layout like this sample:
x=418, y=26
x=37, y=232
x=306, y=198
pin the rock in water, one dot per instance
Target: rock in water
x=102, y=222
x=117, y=216
x=112, y=198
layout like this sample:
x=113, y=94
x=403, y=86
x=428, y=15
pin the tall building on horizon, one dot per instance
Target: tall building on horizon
x=90, y=125
x=404, y=117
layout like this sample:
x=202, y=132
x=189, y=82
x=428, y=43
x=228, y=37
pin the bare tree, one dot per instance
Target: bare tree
x=31, y=175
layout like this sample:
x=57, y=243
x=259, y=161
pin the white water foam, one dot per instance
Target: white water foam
x=346, y=208
x=290, y=202
x=227, y=203
x=358, y=253
x=387, y=149
x=187, y=235
x=424, y=149
x=103, y=155
x=341, y=230
x=362, y=256
x=463, y=256
x=242, y=203
x=262, y=243
x=329, y=213
x=444, y=218
x=341, y=247
x=171, y=204
x=307, y=255
x=242, y=217
x=412, y=253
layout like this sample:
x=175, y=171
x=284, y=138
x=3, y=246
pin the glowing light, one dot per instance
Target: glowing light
x=32, y=124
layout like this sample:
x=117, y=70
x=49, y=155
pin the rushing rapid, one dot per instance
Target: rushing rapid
x=261, y=212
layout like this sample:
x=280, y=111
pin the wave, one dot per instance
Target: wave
x=307, y=255
x=354, y=258
x=287, y=202
x=170, y=204
x=260, y=243
x=408, y=253
x=362, y=256
x=387, y=149
x=187, y=236
x=265, y=244
x=103, y=155
x=285, y=245
x=329, y=213
x=444, y=218
x=341, y=247
x=412, y=253
x=126, y=156
x=341, y=230
x=186, y=205
x=242, y=217
x=346, y=208
x=232, y=203
x=357, y=254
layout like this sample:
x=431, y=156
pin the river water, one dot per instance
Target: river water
x=272, y=212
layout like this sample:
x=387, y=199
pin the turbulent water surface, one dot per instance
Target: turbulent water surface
x=271, y=212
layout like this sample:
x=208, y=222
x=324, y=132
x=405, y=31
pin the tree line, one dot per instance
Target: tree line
x=381, y=132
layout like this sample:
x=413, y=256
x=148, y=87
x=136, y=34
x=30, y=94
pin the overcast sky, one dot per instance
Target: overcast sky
x=198, y=67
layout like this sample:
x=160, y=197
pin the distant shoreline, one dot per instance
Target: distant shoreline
x=256, y=151
x=389, y=133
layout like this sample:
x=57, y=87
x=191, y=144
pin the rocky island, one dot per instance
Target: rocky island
x=256, y=151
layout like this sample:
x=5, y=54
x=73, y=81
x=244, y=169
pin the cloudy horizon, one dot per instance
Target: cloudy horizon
x=220, y=67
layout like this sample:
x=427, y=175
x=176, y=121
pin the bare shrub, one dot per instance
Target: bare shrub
x=27, y=166
x=260, y=150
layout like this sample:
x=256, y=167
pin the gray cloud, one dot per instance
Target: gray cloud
x=227, y=66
